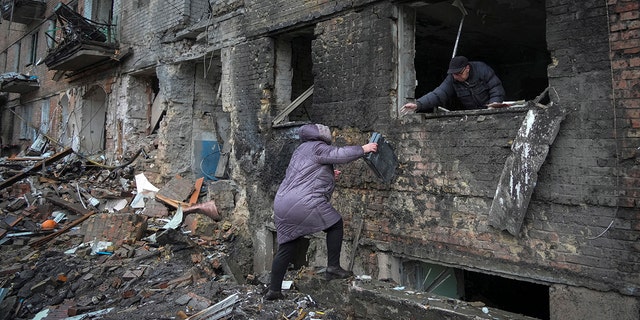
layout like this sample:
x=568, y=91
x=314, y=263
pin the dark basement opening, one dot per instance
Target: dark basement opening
x=510, y=36
x=521, y=297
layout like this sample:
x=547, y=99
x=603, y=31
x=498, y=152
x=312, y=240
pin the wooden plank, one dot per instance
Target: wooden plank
x=298, y=101
x=196, y=193
x=222, y=163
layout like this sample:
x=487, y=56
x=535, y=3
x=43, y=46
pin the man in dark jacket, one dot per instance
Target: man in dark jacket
x=302, y=204
x=473, y=82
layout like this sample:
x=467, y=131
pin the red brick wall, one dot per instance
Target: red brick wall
x=625, y=59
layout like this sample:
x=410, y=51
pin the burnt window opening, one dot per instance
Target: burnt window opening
x=526, y=298
x=294, y=76
x=509, y=36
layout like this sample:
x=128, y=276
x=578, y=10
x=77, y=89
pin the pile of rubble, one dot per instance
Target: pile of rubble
x=84, y=241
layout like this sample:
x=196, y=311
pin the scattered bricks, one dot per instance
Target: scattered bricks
x=128, y=294
x=162, y=286
x=114, y=227
x=154, y=208
x=196, y=257
x=116, y=282
x=177, y=189
x=198, y=302
x=20, y=189
x=124, y=252
x=215, y=263
x=133, y=274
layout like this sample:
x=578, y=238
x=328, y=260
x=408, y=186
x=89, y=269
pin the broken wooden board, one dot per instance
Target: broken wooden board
x=520, y=172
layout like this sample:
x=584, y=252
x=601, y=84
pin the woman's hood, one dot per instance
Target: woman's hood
x=315, y=132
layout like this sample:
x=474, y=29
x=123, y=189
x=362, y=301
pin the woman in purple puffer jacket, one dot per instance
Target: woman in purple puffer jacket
x=302, y=204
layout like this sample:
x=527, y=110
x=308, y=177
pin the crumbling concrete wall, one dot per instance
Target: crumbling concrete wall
x=581, y=226
x=436, y=210
x=175, y=133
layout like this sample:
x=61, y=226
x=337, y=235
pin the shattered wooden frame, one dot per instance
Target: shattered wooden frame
x=278, y=121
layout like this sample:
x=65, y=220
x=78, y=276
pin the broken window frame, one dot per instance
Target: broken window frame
x=407, y=75
x=287, y=67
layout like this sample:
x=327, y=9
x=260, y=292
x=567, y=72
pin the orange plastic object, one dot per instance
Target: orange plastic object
x=48, y=224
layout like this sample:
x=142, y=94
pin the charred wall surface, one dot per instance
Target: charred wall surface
x=579, y=231
x=437, y=208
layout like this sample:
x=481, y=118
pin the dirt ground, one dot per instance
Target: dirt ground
x=175, y=276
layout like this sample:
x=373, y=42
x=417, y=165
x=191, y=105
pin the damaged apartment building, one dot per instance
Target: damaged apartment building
x=532, y=208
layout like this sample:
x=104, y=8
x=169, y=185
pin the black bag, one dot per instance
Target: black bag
x=384, y=161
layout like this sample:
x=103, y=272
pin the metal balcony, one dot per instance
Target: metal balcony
x=23, y=11
x=85, y=43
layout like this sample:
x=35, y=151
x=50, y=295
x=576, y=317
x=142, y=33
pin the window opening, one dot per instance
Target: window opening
x=294, y=76
x=492, y=32
x=526, y=298
x=33, y=53
x=16, y=57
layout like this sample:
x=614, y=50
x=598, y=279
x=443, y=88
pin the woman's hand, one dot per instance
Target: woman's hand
x=370, y=147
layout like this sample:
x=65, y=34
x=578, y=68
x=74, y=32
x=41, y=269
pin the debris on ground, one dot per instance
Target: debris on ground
x=80, y=241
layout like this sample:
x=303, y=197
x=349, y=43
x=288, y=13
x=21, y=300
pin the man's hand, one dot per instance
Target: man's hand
x=496, y=105
x=408, y=108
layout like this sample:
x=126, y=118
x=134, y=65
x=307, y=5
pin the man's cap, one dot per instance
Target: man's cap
x=457, y=64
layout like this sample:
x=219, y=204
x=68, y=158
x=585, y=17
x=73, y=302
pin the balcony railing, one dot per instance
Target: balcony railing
x=84, y=43
x=23, y=11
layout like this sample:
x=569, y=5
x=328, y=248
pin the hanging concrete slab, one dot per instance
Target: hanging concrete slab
x=520, y=173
